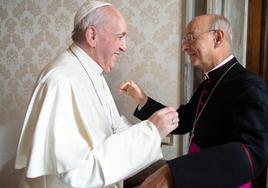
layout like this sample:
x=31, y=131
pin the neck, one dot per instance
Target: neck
x=88, y=50
x=219, y=56
x=220, y=59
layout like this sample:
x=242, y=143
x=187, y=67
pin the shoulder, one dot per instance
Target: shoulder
x=245, y=77
x=64, y=68
x=249, y=84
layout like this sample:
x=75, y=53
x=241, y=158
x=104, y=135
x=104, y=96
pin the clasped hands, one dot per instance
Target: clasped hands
x=165, y=120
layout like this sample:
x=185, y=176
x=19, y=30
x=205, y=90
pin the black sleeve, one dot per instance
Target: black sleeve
x=148, y=109
x=185, y=113
x=237, y=161
x=217, y=167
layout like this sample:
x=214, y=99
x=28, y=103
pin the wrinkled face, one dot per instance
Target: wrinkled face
x=198, y=43
x=110, y=42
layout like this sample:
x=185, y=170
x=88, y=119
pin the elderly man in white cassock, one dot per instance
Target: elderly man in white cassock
x=73, y=135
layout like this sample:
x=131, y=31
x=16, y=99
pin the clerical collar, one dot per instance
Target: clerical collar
x=215, y=74
x=88, y=62
x=219, y=65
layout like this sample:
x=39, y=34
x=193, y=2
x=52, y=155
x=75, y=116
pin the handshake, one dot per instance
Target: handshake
x=165, y=120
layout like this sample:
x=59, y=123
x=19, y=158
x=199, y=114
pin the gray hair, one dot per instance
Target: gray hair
x=95, y=18
x=220, y=22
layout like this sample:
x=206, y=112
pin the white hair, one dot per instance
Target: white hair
x=220, y=22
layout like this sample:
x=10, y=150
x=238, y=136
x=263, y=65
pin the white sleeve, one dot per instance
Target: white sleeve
x=120, y=156
x=64, y=135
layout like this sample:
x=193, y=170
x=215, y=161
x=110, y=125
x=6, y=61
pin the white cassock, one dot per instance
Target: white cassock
x=73, y=135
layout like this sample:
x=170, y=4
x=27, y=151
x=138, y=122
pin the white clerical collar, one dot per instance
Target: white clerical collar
x=221, y=64
x=87, y=61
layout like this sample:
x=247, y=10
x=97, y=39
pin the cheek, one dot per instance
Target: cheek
x=203, y=50
x=109, y=46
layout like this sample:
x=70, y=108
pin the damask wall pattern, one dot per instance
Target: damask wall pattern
x=33, y=32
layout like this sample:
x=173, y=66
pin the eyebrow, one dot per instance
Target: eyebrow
x=121, y=34
x=191, y=32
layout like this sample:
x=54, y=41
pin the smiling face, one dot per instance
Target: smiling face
x=110, y=39
x=199, y=43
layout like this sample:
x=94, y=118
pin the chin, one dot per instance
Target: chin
x=193, y=62
x=107, y=70
x=112, y=66
x=109, y=67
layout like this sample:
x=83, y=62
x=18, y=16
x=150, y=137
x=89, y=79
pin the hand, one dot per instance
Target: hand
x=159, y=179
x=165, y=120
x=131, y=89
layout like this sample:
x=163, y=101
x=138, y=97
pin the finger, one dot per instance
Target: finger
x=171, y=115
x=130, y=84
x=123, y=87
x=133, y=84
x=175, y=120
x=174, y=125
x=137, y=89
x=166, y=111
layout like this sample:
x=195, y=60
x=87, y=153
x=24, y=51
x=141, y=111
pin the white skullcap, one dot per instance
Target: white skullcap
x=87, y=7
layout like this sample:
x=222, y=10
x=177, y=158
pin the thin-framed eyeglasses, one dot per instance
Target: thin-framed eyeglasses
x=191, y=38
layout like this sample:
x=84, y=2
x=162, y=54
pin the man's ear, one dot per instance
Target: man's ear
x=90, y=36
x=219, y=37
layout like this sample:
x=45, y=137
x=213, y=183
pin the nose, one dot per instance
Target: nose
x=184, y=46
x=123, y=45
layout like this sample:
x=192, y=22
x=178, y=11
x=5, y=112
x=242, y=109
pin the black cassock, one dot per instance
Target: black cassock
x=230, y=128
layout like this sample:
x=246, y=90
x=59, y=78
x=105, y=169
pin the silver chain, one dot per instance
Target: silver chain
x=197, y=115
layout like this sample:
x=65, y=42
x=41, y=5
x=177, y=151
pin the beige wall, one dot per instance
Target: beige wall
x=34, y=32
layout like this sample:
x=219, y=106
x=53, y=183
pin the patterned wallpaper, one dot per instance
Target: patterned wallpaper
x=33, y=32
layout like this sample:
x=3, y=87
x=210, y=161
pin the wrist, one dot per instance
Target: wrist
x=143, y=101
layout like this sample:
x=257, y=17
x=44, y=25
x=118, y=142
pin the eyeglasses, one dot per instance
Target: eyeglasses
x=191, y=38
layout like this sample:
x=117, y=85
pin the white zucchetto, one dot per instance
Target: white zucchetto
x=87, y=7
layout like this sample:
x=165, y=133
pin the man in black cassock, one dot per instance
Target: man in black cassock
x=227, y=116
